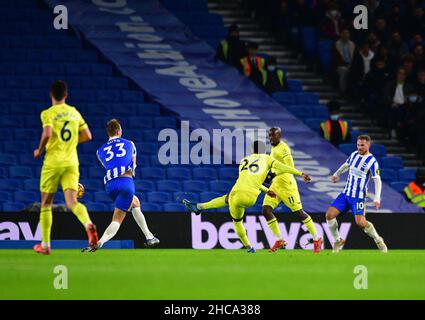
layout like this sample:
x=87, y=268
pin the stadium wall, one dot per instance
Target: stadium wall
x=215, y=230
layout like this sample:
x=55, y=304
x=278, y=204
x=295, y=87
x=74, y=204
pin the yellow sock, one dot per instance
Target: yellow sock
x=309, y=224
x=46, y=224
x=215, y=203
x=274, y=227
x=81, y=213
x=241, y=232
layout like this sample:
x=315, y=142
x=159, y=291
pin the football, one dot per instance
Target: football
x=80, y=192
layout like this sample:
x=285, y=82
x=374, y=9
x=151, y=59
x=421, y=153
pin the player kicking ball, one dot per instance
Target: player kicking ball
x=118, y=157
x=63, y=129
x=361, y=165
x=253, y=171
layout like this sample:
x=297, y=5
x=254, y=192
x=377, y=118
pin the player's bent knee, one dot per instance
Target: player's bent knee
x=136, y=202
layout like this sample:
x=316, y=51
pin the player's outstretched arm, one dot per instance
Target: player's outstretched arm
x=341, y=170
x=378, y=187
x=85, y=135
x=45, y=136
x=280, y=168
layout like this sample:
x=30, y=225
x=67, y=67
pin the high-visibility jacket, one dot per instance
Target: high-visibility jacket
x=281, y=77
x=415, y=194
x=260, y=62
x=327, y=128
x=225, y=47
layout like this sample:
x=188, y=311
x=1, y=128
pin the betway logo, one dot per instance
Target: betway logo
x=12, y=231
x=227, y=238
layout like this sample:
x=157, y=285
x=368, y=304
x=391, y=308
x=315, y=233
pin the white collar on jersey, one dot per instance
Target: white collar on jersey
x=114, y=137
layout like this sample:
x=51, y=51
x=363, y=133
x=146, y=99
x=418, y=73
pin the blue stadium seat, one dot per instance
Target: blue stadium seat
x=391, y=163
x=378, y=150
x=228, y=173
x=307, y=98
x=301, y=111
x=149, y=109
x=154, y=161
x=116, y=83
x=4, y=174
x=285, y=98
x=314, y=123
x=179, y=173
x=144, y=185
x=92, y=83
x=325, y=54
x=398, y=186
x=282, y=209
x=204, y=174
x=5, y=196
x=165, y=122
x=32, y=185
x=388, y=175
x=221, y=186
x=168, y=185
x=26, y=134
x=257, y=208
x=147, y=148
x=132, y=96
x=174, y=207
x=88, y=160
x=96, y=207
x=207, y=196
x=407, y=174
x=92, y=185
x=354, y=134
x=179, y=196
x=143, y=161
x=13, y=206
x=310, y=41
x=26, y=196
x=151, y=207
x=140, y=122
x=97, y=173
x=102, y=196
x=159, y=197
x=141, y=196
x=195, y=186
x=20, y=172
x=295, y=85
x=150, y=135
x=7, y=159
x=347, y=148
x=108, y=96
x=153, y=173
x=320, y=111
x=60, y=197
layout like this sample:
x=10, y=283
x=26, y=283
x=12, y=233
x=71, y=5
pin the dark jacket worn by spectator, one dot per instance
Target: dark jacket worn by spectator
x=254, y=66
x=231, y=49
x=415, y=190
x=276, y=78
x=335, y=129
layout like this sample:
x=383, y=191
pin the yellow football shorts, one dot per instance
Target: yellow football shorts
x=239, y=200
x=286, y=191
x=51, y=177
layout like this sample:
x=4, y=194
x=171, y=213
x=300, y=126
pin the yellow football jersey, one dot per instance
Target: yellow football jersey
x=253, y=171
x=67, y=122
x=282, y=153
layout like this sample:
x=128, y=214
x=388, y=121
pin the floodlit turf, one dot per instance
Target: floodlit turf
x=212, y=274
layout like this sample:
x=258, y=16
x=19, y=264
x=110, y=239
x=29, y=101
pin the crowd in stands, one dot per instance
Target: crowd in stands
x=381, y=68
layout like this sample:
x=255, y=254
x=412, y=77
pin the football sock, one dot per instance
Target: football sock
x=241, y=232
x=81, y=213
x=333, y=228
x=309, y=224
x=274, y=227
x=46, y=226
x=215, y=203
x=371, y=231
x=110, y=231
x=141, y=221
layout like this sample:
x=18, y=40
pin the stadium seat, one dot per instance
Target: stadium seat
x=310, y=37
x=378, y=150
x=15, y=148
x=92, y=185
x=4, y=173
x=221, y=186
x=314, y=123
x=153, y=173
x=144, y=185
x=398, y=186
x=257, y=208
x=97, y=207
x=7, y=159
x=140, y=122
x=285, y=98
x=388, y=175
x=174, y=207
x=179, y=196
x=204, y=174
x=5, y=196
x=159, y=197
x=295, y=85
x=97, y=173
x=195, y=186
x=13, y=206
x=307, y=98
x=32, y=185
x=20, y=172
x=407, y=174
x=282, y=209
x=168, y=185
x=102, y=196
x=151, y=207
x=207, y=196
x=165, y=122
x=149, y=109
x=228, y=173
x=179, y=173
x=347, y=148
x=26, y=196
x=391, y=163
x=320, y=111
x=302, y=112
x=132, y=96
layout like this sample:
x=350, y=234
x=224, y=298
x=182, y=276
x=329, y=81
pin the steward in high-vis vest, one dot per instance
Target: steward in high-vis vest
x=254, y=66
x=335, y=129
x=276, y=78
x=232, y=49
x=415, y=190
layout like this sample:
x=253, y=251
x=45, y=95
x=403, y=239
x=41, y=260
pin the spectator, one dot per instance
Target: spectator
x=374, y=9
x=254, y=66
x=231, y=49
x=418, y=53
x=343, y=52
x=416, y=23
x=397, y=48
x=416, y=39
x=408, y=63
x=334, y=129
x=395, y=19
x=395, y=99
x=360, y=67
x=383, y=54
x=276, y=78
x=373, y=41
x=382, y=31
x=420, y=83
x=415, y=190
x=412, y=126
x=330, y=27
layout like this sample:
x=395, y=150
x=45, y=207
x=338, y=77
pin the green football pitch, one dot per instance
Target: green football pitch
x=212, y=274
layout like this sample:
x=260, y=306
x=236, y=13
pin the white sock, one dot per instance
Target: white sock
x=141, y=221
x=371, y=231
x=110, y=231
x=45, y=245
x=333, y=227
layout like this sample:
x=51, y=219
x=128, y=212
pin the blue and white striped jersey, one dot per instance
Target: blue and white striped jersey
x=362, y=168
x=116, y=156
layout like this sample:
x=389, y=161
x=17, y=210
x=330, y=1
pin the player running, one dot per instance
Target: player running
x=118, y=157
x=362, y=166
x=252, y=173
x=63, y=129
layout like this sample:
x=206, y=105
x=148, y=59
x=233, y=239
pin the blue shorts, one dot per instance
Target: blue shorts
x=344, y=203
x=121, y=191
